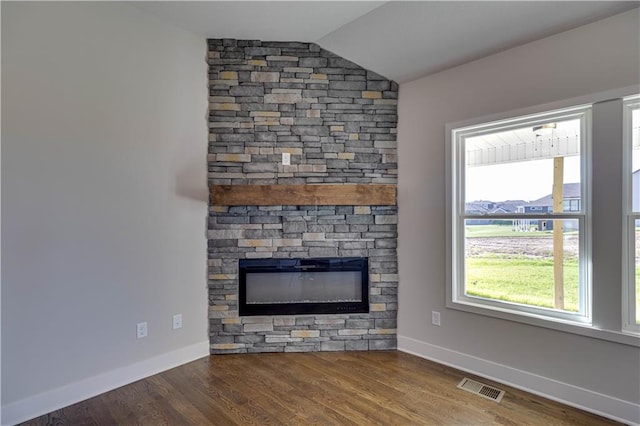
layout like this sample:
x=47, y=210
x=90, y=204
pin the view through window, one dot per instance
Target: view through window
x=521, y=216
x=634, y=208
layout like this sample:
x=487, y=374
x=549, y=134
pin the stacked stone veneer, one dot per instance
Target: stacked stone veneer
x=338, y=122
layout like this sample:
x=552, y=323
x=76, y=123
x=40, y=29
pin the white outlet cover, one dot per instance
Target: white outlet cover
x=141, y=330
x=435, y=318
x=177, y=321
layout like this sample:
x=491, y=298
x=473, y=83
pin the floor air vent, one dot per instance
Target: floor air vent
x=481, y=389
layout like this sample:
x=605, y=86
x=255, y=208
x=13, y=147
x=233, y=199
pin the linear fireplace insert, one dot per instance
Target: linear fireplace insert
x=304, y=286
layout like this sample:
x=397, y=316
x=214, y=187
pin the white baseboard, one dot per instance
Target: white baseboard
x=584, y=399
x=64, y=396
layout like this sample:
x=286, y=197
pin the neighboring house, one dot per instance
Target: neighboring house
x=570, y=203
x=479, y=207
x=570, y=200
x=510, y=206
x=491, y=207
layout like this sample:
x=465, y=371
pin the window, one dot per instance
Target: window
x=631, y=294
x=536, y=202
x=571, y=205
x=519, y=221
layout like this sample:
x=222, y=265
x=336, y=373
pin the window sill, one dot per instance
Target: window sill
x=573, y=327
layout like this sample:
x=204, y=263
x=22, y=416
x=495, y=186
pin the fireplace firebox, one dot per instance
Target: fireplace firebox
x=303, y=286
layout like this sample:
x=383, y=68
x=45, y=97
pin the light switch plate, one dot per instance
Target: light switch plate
x=286, y=159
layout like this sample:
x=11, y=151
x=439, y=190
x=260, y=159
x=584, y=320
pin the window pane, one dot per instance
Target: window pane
x=637, y=280
x=505, y=263
x=635, y=142
x=512, y=251
x=632, y=294
x=513, y=171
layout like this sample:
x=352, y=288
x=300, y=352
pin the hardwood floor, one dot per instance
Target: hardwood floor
x=326, y=388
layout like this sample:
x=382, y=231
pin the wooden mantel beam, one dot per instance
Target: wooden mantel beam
x=304, y=195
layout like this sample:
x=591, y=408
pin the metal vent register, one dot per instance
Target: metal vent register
x=481, y=389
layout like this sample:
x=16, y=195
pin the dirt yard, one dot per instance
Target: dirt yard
x=541, y=247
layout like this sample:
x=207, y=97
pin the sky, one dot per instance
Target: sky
x=527, y=180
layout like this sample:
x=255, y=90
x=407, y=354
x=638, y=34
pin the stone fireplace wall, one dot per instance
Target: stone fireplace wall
x=338, y=122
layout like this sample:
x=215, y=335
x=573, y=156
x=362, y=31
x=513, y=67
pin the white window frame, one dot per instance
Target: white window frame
x=458, y=297
x=606, y=312
x=629, y=324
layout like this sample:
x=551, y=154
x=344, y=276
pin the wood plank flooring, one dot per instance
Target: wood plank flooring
x=326, y=388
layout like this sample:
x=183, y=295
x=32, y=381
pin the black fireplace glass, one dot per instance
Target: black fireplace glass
x=303, y=286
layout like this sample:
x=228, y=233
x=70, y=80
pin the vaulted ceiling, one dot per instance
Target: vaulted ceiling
x=400, y=40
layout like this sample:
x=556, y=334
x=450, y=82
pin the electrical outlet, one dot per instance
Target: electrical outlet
x=435, y=318
x=177, y=321
x=286, y=159
x=141, y=329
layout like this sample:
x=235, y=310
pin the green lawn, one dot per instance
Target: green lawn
x=525, y=280
x=638, y=295
x=520, y=280
x=501, y=231
x=506, y=231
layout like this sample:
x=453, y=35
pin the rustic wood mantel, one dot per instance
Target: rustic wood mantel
x=304, y=195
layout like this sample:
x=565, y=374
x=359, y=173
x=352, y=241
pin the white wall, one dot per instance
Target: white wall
x=578, y=369
x=104, y=199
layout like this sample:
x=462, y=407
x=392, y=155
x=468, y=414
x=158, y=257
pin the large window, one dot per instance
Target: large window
x=631, y=295
x=519, y=216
